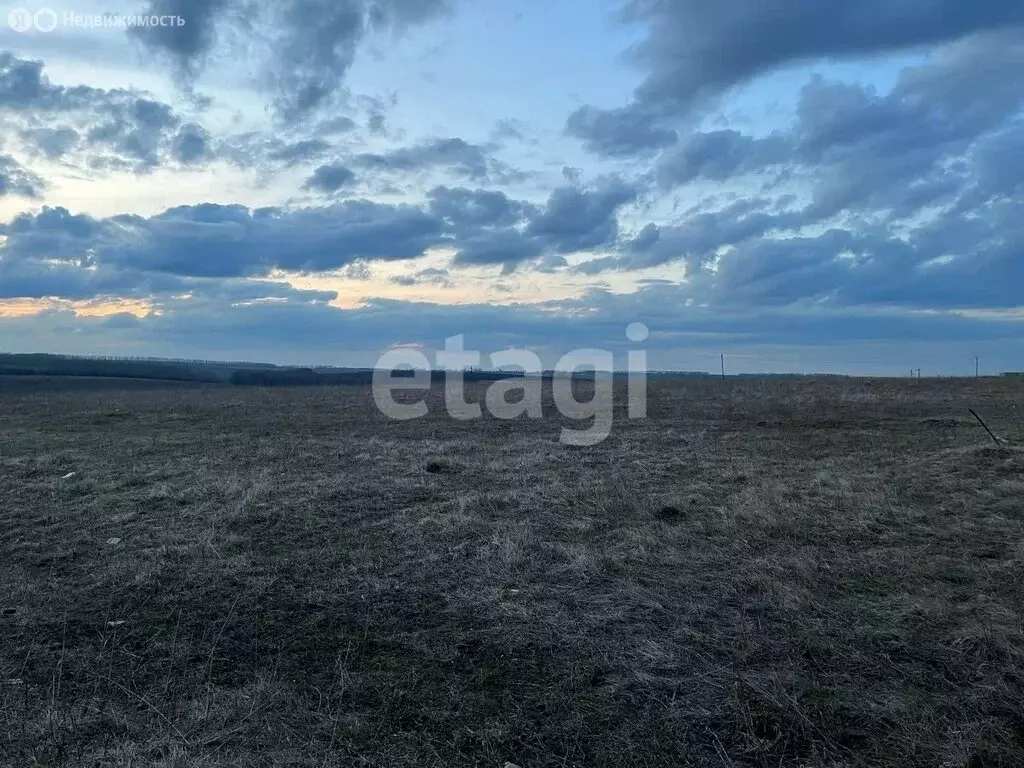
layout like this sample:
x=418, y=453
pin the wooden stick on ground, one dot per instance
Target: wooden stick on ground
x=975, y=415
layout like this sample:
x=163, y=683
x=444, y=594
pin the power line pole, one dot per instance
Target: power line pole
x=723, y=366
x=977, y=367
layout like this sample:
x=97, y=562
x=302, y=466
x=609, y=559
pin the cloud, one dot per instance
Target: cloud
x=210, y=240
x=191, y=144
x=620, y=132
x=358, y=270
x=938, y=266
x=469, y=210
x=53, y=257
x=578, y=219
x=117, y=128
x=684, y=335
x=880, y=167
x=510, y=128
x=507, y=247
x=902, y=199
x=720, y=155
x=898, y=151
x=305, y=47
x=51, y=143
x=998, y=164
x=300, y=151
x=339, y=125
x=695, y=50
x=459, y=157
x=431, y=276
x=188, y=44
x=16, y=180
x=489, y=228
x=312, y=63
x=697, y=239
x=330, y=178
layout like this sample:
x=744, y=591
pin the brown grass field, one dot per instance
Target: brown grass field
x=762, y=573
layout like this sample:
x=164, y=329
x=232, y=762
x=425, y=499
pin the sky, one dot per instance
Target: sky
x=802, y=187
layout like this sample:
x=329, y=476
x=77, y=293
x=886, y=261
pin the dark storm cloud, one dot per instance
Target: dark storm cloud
x=16, y=180
x=330, y=178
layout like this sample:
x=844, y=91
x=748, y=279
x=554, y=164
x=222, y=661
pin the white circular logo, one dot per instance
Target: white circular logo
x=45, y=20
x=19, y=19
x=637, y=332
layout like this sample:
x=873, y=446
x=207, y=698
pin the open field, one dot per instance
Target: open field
x=818, y=573
x=29, y=384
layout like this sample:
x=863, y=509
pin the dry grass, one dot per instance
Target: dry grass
x=763, y=573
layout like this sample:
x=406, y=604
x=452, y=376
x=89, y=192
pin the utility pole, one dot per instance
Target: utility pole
x=723, y=366
x=977, y=367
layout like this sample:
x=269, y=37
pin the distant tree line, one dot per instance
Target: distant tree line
x=58, y=365
x=297, y=377
x=269, y=375
x=308, y=377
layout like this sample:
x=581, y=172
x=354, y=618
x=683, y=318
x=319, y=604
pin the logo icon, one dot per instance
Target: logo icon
x=20, y=19
x=45, y=20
